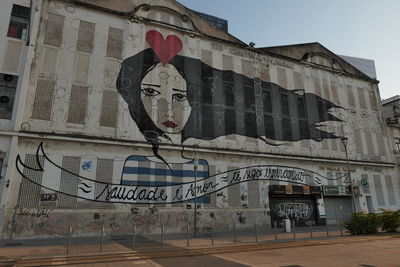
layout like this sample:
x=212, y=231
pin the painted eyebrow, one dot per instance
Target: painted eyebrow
x=148, y=84
x=183, y=91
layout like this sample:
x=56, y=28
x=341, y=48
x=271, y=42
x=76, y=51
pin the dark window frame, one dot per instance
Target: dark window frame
x=19, y=22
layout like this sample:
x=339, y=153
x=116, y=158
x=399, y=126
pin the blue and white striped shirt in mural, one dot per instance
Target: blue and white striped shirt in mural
x=139, y=170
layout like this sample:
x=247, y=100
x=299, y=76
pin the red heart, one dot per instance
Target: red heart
x=165, y=49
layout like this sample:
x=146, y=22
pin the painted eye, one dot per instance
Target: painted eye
x=148, y=91
x=179, y=97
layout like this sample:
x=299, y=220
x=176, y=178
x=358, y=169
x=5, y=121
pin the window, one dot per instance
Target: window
x=54, y=30
x=230, y=112
x=207, y=111
x=250, y=120
x=8, y=85
x=285, y=120
x=109, y=109
x=43, y=102
x=114, y=43
x=302, y=115
x=78, y=104
x=19, y=21
x=397, y=144
x=85, y=36
x=268, y=118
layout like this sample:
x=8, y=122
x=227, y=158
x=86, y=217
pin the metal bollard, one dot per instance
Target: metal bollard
x=69, y=240
x=134, y=237
x=255, y=232
x=234, y=233
x=212, y=233
x=294, y=229
x=162, y=235
x=276, y=232
x=102, y=239
x=327, y=230
x=311, y=234
x=187, y=235
x=340, y=227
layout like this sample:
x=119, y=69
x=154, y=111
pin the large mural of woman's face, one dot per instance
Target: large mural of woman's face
x=164, y=97
x=168, y=93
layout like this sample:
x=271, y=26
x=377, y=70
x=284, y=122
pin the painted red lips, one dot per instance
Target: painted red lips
x=170, y=124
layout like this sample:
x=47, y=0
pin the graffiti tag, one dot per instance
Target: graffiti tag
x=294, y=210
x=34, y=212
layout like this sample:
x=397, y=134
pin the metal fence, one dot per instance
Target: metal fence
x=106, y=242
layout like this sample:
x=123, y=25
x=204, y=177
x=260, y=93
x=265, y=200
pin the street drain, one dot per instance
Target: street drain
x=367, y=265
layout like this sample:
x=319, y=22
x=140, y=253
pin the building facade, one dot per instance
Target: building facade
x=391, y=114
x=142, y=112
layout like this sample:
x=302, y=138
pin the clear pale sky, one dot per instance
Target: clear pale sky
x=358, y=28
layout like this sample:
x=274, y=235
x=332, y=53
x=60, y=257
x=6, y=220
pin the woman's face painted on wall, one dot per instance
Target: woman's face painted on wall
x=164, y=97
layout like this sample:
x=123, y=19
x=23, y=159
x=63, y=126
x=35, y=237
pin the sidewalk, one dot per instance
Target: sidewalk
x=34, y=253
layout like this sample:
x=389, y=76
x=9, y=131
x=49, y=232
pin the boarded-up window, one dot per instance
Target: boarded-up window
x=227, y=62
x=298, y=80
x=282, y=78
x=370, y=144
x=390, y=190
x=372, y=101
x=361, y=98
x=381, y=145
x=334, y=91
x=43, y=102
x=350, y=95
x=85, y=36
x=78, y=104
x=29, y=192
x=247, y=69
x=265, y=76
x=206, y=56
x=69, y=182
x=325, y=86
x=380, y=199
x=317, y=86
x=109, y=108
x=54, y=30
x=104, y=173
x=114, y=43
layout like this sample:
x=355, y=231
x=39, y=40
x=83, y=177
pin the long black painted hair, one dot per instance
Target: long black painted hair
x=224, y=102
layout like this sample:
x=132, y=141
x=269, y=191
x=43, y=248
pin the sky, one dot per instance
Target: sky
x=358, y=28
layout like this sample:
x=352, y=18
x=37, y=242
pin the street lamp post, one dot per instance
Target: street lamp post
x=345, y=141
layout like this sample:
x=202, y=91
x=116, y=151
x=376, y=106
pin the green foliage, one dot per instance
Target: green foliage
x=363, y=223
x=390, y=220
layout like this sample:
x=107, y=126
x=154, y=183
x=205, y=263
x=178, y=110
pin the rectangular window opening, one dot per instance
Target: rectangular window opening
x=19, y=21
x=8, y=86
